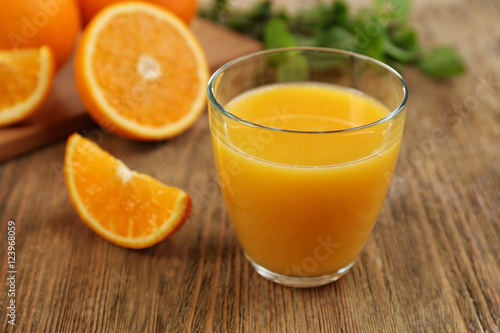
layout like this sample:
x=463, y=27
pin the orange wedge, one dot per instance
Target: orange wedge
x=139, y=68
x=127, y=208
x=26, y=76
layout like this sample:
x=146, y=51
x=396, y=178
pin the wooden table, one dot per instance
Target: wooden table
x=432, y=263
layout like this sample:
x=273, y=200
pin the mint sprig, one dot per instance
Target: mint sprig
x=382, y=32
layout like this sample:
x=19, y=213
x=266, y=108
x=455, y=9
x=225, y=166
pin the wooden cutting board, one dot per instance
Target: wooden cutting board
x=63, y=113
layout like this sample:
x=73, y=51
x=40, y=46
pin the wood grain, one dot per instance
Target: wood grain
x=432, y=263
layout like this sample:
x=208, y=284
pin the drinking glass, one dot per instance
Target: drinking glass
x=303, y=202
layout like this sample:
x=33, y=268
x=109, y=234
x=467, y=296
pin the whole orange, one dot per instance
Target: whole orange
x=184, y=9
x=34, y=23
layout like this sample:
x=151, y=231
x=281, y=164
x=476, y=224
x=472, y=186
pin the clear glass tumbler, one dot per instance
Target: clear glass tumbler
x=304, y=174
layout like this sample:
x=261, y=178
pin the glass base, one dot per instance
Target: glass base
x=300, y=281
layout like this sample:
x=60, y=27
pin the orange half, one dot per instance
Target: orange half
x=127, y=208
x=26, y=77
x=139, y=68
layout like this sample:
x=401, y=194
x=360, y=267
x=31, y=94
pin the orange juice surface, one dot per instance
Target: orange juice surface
x=303, y=203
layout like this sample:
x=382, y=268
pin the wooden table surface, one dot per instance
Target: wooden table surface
x=432, y=263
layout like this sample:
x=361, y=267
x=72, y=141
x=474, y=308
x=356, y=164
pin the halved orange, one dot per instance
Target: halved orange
x=127, y=208
x=139, y=68
x=26, y=77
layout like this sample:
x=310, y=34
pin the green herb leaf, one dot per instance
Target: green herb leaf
x=341, y=14
x=337, y=38
x=399, y=54
x=304, y=40
x=321, y=17
x=370, y=35
x=262, y=11
x=404, y=37
x=442, y=62
x=277, y=35
x=293, y=68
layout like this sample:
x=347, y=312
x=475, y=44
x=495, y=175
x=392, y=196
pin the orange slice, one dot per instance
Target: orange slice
x=26, y=78
x=124, y=207
x=139, y=68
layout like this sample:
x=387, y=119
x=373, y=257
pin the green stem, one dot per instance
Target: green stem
x=398, y=53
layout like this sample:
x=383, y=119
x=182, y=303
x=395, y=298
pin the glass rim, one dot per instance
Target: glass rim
x=220, y=108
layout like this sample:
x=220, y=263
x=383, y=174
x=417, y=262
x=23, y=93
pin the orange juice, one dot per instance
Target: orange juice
x=304, y=197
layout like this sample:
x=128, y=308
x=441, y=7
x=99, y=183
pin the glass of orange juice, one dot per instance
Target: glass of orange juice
x=305, y=143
